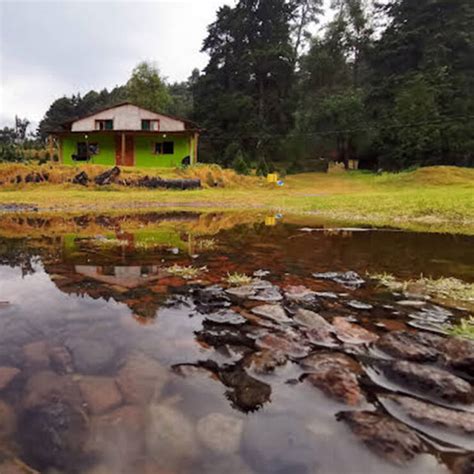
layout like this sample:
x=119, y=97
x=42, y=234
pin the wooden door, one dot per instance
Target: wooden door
x=124, y=150
x=129, y=158
x=118, y=150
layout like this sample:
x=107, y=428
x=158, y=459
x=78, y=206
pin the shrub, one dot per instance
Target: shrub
x=240, y=165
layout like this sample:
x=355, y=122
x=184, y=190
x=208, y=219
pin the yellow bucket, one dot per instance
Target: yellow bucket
x=272, y=178
x=270, y=221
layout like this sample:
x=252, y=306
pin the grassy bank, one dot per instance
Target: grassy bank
x=434, y=199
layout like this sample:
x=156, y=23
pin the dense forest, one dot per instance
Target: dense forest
x=389, y=84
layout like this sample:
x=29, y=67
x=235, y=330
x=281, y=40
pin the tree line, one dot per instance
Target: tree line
x=389, y=84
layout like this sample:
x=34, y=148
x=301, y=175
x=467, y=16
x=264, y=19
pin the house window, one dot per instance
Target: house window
x=150, y=125
x=164, y=148
x=104, y=124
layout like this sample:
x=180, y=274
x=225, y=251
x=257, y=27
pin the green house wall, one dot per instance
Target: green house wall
x=144, y=156
x=143, y=150
x=106, y=155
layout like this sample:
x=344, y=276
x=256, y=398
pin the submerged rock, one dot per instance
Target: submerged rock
x=274, y=312
x=225, y=316
x=319, y=331
x=278, y=443
x=335, y=375
x=388, y=438
x=263, y=362
x=283, y=345
x=141, y=379
x=99, y=393
x=15, y=466
x=414, y=346
x=299, y=293
x=313, y=320
x=464, y=465
x=45, y=387
x=352, y=333
x=432, y=314
x=210, y=298
x=271, y=294
x=355, y=304
x=7, y=420
x=230, y=464
x=241, y=292
x=118, y=437
x=349, y=279
x=93, y=356
x=7, y=375
x=458, y=353
x=170, y=437
x=53, y=435
x=36, y=354
x=248, y=393
x=220, y=433
x=61, y=360
x=258, y=290
x=430, y=381
x=448, y=425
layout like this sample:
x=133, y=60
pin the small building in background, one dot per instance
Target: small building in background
x=128, y=135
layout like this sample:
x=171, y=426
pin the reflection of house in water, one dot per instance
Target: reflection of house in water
x=122, y=276
x=135, y=286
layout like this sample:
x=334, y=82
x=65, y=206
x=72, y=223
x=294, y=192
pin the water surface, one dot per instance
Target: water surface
x=111, y=363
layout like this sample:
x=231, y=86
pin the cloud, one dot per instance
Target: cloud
x=49, y=49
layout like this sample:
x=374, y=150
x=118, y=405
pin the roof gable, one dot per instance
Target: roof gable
x=128, y=116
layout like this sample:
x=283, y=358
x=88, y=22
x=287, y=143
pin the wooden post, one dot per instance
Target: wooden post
x=60, y=149
x=122, y=160
x=195, y=157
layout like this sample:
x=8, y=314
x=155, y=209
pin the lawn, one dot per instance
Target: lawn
x=434, y=199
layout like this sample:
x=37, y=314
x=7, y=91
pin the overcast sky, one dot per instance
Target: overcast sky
x=49, y=49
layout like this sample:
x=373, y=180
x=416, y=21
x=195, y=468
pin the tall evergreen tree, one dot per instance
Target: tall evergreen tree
x=422, y=82
x=243, y=95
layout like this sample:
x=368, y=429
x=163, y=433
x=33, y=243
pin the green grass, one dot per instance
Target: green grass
x=186, y=272
x=465, y=328
x=437, y=199
x=238, y=279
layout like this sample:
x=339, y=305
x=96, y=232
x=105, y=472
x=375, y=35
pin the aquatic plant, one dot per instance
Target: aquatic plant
x=186, y=272
x=387, y=280
x=449, y=288
x=444, y=287
x=206, y=244
x=465, y=328
x=238, y=279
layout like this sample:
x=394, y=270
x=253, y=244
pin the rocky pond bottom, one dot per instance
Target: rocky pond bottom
x=227, y=343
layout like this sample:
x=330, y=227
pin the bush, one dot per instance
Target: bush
x=263, y=168
x=239, y=164
x=10, y=154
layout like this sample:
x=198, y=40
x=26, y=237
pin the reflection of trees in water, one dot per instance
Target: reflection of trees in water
x=17, y=253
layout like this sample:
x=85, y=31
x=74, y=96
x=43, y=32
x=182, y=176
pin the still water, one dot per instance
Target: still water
x=124, y=348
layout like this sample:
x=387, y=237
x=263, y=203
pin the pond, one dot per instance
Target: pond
x=241, y=343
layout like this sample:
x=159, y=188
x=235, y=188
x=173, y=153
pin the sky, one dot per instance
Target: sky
x=49, y=49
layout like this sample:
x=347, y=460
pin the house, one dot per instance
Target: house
x=128, y=135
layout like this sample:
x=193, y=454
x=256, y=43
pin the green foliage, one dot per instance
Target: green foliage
x=238, y=279
x=147, y=89
x=244, y=93
x=240, y=165
x=465, y=328
x=11, y=140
